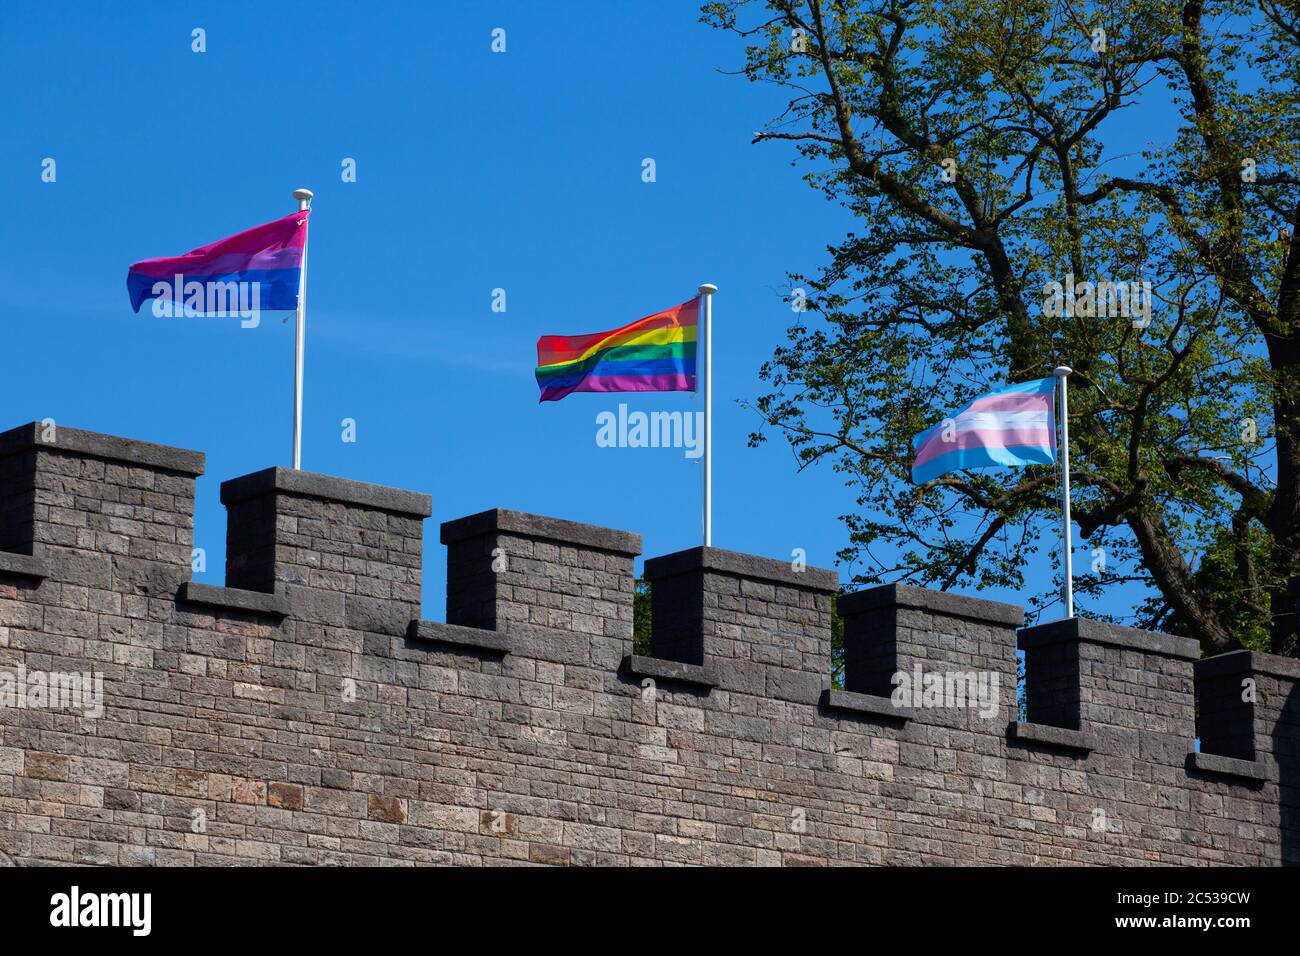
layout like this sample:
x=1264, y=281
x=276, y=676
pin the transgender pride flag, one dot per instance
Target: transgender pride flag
x=269, y=255
x=1012, y=426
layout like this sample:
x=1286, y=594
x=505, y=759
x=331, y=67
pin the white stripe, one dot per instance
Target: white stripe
x=999, y=420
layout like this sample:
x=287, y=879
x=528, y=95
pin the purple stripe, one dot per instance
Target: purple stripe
x=196, y=266
x=669, y=382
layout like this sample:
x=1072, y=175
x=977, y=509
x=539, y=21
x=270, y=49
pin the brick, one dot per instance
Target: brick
x=45, y=766
x=550, y=855
x=287, y=796
x=11, y=761
x=387, y=809
x=249, y=791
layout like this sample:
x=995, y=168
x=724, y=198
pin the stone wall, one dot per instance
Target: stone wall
x=307, y=715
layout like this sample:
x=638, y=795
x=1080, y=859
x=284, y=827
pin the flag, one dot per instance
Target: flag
x=267, y=258
x=654, y=354
x=1013, y=426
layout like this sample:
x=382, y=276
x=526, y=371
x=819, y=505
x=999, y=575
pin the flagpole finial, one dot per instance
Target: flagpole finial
x=708, y=288
x=1062, y=370
x=304, y=197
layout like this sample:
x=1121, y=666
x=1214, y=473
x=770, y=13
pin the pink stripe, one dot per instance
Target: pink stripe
x=1010, y=402
x=281, y=239
x=220, y=265
x=935, y=446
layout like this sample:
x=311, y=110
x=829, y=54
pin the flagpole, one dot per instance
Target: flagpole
x=1062, y=372
x=300, y=334
x=706, y=302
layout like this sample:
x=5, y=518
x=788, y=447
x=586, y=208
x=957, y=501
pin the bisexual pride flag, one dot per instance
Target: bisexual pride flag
x=1013, y=426
x=269, y=256
x=654, y=354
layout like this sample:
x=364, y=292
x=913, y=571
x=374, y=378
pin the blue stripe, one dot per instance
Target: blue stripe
x=277, y=288
x=668, y=366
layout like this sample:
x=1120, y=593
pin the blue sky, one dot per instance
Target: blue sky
x=475, y=171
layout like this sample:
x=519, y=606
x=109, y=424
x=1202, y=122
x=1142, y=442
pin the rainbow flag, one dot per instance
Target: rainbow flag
x=1013, y=426
x=269, y=255
x=654, y=354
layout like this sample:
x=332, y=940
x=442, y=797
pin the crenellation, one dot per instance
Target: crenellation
x=562, y=588
x=70, y=495
x=1226, y=691
x=304, y=713
x=1131, y=690
x=763, y=625
x=896, y=635
x=340, y=551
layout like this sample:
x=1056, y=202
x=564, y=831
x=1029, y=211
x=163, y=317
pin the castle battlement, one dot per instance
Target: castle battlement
x=305, y=712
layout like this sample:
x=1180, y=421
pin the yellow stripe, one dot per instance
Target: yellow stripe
x=653, y=337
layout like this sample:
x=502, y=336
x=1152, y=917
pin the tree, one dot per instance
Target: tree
x=994, y=154
x=641, y=617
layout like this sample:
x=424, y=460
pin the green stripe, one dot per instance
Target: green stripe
x=622, y=353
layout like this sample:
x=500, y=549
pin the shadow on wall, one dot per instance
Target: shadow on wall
x=1286, y=750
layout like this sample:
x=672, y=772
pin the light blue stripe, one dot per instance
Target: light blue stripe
x=960, y=458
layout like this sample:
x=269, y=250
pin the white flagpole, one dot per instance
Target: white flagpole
x=706, y=321
x=300, y=336
x=1062, y=372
